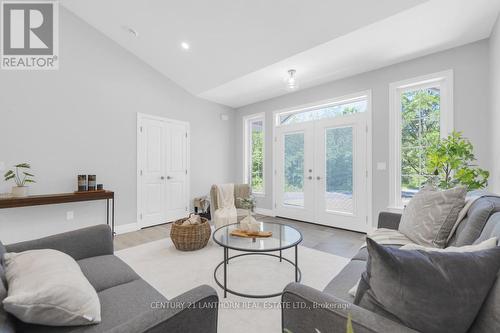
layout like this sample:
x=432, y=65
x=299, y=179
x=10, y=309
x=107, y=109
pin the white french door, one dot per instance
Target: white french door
x=294, y=171
x=321, y=172
x=163, y=171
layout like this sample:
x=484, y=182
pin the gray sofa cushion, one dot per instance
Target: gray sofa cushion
x=107, y=271
x=491, y=229
x=345, y=280
x=363, y=252
x=471, y=227
x=119, y=305
x=6, y=325
x=361, y=255
x=2, y=264
x=429, y=291
x=82, y=243
x=488, y=318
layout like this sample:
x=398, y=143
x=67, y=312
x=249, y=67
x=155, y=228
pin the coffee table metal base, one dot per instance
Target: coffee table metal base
x=225, y=262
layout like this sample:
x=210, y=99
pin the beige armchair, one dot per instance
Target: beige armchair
x=240, y=191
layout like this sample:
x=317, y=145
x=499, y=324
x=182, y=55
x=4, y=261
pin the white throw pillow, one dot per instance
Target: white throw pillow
x=484, y=245
x=47, y=287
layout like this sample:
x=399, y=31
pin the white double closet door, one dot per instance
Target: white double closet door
x=163, y=170
x=321, y=172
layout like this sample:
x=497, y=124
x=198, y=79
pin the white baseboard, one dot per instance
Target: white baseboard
x=264, y=211
x=124, y=228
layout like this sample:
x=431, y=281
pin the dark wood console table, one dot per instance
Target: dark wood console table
x=59, y=198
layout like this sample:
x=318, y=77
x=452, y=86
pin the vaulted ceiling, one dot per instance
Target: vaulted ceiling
x=240, y=50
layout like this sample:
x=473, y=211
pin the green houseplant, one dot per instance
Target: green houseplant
x=21, y=177
x=451, y=162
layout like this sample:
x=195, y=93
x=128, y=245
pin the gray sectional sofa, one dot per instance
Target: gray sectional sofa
x=306, y=309
x=126, y=299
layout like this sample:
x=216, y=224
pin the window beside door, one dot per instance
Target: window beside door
x=421, y=113
x=254, y=152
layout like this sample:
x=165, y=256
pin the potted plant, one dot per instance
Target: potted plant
x=451, y=162
x=21, y=178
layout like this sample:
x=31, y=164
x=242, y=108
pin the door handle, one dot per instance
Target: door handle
x=310, y=177
x=162, y=177
x=318, y=177
x=168, y=177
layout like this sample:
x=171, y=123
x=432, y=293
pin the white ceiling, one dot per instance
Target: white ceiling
x=240, y=50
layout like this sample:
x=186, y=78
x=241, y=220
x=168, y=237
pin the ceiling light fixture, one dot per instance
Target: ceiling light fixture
x=185, y=45
x=132, y=32
x=291, y=80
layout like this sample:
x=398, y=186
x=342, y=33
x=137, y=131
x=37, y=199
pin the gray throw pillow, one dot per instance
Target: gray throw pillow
x=428, y=291
x=431, y=214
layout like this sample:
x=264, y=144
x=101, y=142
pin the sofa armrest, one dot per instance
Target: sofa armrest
x=307, y=310
x=389, y=220
x=194, y=311
x=79, y=244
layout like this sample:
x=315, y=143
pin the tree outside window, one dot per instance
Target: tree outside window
x=256, y=155
x=420, y=129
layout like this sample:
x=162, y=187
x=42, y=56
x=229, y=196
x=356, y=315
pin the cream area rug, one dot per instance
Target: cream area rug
x=173, y=272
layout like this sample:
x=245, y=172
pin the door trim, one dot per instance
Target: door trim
x=140, y=117
x=369, y=151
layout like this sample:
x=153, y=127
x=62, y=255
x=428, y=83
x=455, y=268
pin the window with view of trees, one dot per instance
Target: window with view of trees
x=337, y=109
x=420, y=128
x=421, y=113
x=255, y=153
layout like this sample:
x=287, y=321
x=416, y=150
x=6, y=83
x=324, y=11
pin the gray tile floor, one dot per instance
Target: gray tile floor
x=331, y=240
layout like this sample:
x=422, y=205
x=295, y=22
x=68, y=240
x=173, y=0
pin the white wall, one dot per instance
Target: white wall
x=82, y=119
x=471, y=102
x=495, y=107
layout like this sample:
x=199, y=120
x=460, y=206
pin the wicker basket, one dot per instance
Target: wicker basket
x=190, y=237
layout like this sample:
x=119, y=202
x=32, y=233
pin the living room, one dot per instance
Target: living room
x=232, y=166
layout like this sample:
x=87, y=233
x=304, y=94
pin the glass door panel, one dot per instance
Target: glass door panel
x=341, y=172
x=293, y=181
x=338, y=194
x=294, y=197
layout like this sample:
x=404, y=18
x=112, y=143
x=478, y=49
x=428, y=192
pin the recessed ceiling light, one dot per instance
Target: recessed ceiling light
x=132, y=32
x=185, y=45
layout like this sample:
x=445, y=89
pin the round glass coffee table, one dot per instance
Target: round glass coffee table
x=283, y=237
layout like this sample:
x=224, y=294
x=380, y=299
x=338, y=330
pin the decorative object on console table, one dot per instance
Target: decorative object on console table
x=100, y=187
x=92, y=182
x=21, y=178
x=82, y=183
